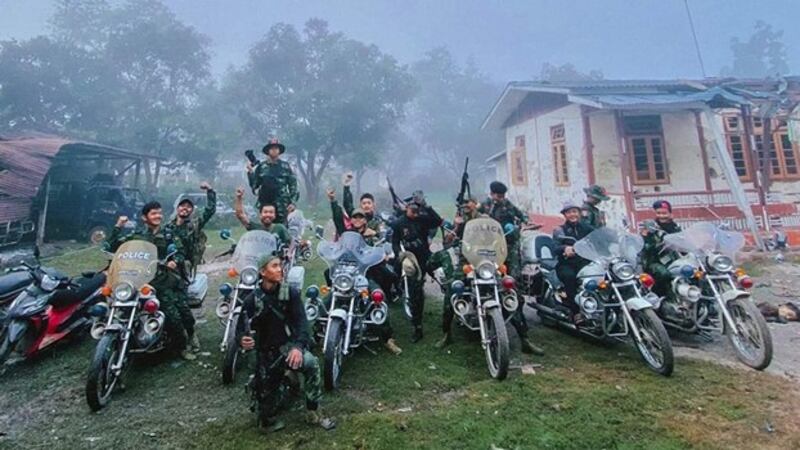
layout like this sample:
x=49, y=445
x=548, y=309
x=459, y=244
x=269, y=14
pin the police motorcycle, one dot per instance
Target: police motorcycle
x=479, y=302
x=710, y=295
x=300, y=250
x=345, y=321
x=610, y=295
x=197, y=289
x=133, y=323
x=235, y=320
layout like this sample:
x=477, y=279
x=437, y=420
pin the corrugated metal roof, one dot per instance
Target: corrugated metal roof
x=716, y=97
x=25, y=161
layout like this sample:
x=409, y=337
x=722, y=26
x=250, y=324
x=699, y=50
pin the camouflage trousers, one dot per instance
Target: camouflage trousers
x=662, y=276
x=178, y=318
x=270, y=389
x=514, y=265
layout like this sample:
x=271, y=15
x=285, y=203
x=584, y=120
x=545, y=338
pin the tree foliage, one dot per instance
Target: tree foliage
x=566, y=73
x=328, y=97
x=763, y=54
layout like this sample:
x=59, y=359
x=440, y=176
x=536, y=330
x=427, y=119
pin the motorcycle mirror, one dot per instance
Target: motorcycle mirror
x=225, y=234
x=172, y=249
x=508, y=228
x=319, y=230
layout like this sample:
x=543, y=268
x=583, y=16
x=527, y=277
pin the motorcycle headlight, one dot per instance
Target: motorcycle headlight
x=721, y=263
x=123, y=291
x=589, y=305
x=624, y=271
x=343, y=282
x=249, y=276
x=486, y=270
x=49, y=283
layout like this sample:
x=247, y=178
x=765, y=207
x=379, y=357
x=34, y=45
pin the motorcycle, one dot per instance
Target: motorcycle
x=51, y=308
x=133, y=322
x=300, y=249
x=609, y=296
x=346, y=323
x=709, y=295
x=252, y=246
x=12, y=283
x=479, y=302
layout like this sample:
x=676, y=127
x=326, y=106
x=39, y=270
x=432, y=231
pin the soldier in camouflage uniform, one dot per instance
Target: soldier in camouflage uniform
x=189, y=228
x=654, y=259
x=267, y=216
x=179, y=321
x=366, y=203
x=274, y=181
x=282, y=342
x=499, y=208
x=590, y=213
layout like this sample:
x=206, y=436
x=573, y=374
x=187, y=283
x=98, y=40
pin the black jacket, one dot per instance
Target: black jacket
x=275, y=315
x=576, y=231
x=414, y=233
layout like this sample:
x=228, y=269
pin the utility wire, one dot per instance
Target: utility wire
x=694, y=34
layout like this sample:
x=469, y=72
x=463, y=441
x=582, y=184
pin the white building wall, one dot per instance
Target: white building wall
x=542, y=196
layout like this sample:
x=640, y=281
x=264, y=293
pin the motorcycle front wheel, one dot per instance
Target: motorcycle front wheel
x=333, y=354
x=232, y=351
x=655, y=348
x=101, y=379
x=753, y=343
x=497, y=352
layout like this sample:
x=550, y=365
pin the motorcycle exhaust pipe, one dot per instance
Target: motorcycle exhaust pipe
x=312, y=311
x=97, y=330
x=688, y=292
x=379, y=314
x=462, y=307
x=510, y=302
x=223, y=309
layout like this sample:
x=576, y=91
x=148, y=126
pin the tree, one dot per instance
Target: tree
x=762, y=55
x=326, y=96
x=128, y=75
x=567, y=72
x=446, y=116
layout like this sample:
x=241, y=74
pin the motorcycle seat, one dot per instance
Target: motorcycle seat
x=14, y=281
x=549, y=264
x=73, y=295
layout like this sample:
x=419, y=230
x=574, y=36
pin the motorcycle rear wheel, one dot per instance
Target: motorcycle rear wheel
x=231, y=360
x=753, y=345
x=497, y=352
x=333, y=355
x=656, y=350
x=101, y=380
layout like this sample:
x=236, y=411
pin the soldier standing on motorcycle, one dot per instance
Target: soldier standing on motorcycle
x=378, y=275
x=569, y=263
x=267, y=215
x=189, y=229
x=499, y=208
x=282, y=341
x=413, y=230
x=179, y=321
x=592, y=215
x=450, y=260
x=366, y=202
x=653, y=260
x=273, y=180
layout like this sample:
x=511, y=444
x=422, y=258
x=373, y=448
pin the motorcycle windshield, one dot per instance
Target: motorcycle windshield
x=135, y=262
x=253, y=246
x=705, y=237
x=297, y=224
x=484, y=241
x=350, y=246
x=605, y=244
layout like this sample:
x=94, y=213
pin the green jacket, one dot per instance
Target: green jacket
x=593, y=216
x=373, y=221
x=370, y=235
x=275, y=184
x=165, y=278
x=654, y=241
x=191, y=232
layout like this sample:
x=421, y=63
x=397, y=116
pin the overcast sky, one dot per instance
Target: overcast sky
x=510, y=40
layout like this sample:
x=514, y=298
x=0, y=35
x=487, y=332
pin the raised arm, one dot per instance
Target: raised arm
x=211, y=204
x=336, y=213
x=238, y=208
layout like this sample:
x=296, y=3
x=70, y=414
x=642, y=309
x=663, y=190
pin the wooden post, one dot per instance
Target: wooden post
x=625, y=168
x=588, y=145
x=43, y=214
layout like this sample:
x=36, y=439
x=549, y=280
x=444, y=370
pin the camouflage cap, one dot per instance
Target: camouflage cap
x=266, y=259
x=597, y=191
x=358, y=212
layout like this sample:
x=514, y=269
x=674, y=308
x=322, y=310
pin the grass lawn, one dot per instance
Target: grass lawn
x=584, y=395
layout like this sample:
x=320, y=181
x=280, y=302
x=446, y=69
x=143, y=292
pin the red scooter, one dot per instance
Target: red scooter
x=51, y=308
